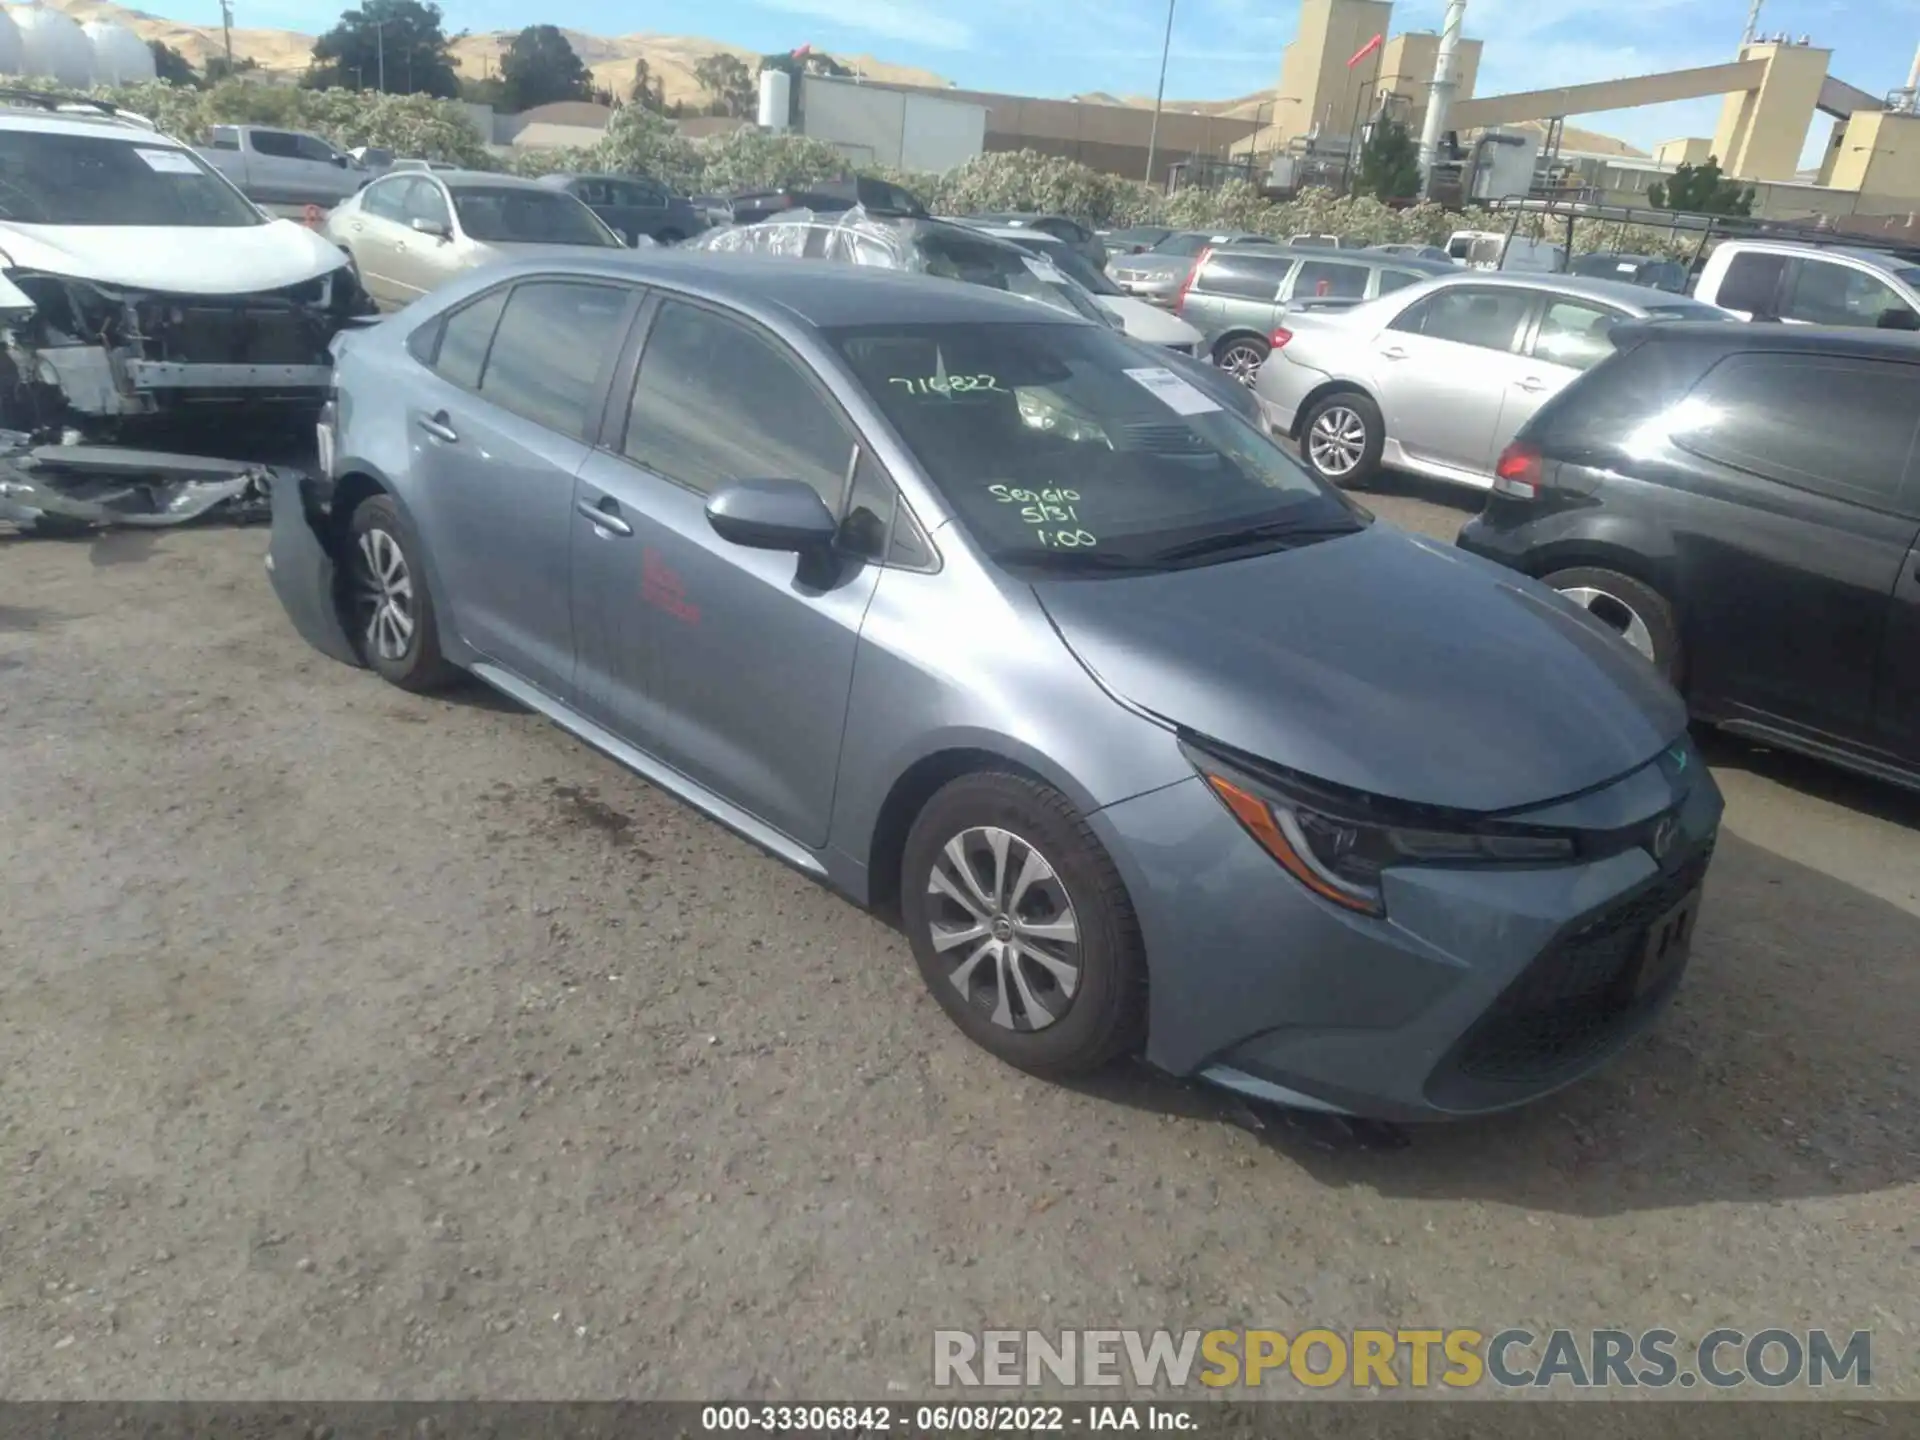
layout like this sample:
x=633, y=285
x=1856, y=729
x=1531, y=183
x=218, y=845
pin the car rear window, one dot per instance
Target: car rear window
x=1330, y=279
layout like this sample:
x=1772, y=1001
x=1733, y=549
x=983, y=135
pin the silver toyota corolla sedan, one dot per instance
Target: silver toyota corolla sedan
x=1150, y=739
x=1436, y=378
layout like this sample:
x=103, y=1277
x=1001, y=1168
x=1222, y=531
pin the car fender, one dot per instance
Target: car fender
x=358, y=477
x=1606, y=541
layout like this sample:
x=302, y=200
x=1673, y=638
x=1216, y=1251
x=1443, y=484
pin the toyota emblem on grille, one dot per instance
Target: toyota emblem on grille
x=1663, y=837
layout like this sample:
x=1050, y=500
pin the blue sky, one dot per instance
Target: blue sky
x=1221, y=48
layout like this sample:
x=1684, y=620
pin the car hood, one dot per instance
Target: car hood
x=1381, y=662
x=179, y=260
x=1148, y=322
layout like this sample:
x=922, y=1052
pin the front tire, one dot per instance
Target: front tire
x=1021, y=926
x=1634, y=610
x=390, y=616
x=1242, y=356
x=1341, y=438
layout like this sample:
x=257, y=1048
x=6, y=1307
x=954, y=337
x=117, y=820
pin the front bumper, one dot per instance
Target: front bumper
x=1481, y=989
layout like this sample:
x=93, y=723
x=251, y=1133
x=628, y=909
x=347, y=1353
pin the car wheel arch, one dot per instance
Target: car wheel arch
x=356, y=485
x=1326, y=391
x=1240, y=332
x=918, y=783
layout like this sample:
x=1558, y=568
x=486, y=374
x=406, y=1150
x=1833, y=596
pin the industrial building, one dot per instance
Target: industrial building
x=1773, y=90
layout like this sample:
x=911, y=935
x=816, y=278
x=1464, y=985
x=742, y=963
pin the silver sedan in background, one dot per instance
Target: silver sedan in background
x=1438, y=377
x=411, y=231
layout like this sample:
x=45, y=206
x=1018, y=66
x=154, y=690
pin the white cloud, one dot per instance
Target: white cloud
x=908, y=23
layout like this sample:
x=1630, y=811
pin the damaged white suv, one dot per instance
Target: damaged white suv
x=136, y=281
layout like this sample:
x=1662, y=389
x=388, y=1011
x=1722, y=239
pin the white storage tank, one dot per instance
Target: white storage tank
x=120, y=57
x=13, y=51
x=776, y=100
x=54, y=46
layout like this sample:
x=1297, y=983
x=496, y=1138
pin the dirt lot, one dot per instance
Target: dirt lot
x=353, y=1044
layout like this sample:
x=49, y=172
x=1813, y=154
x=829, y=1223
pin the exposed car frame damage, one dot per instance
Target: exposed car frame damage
x=60, y=487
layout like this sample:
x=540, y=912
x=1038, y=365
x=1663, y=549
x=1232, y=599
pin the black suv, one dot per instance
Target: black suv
x=1742, y=504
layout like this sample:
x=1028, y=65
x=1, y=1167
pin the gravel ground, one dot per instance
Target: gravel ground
x=359, y=1045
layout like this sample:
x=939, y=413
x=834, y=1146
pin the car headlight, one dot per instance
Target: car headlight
x=1338, y=844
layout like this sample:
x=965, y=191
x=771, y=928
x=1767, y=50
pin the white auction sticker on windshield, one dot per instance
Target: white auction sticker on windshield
x=1043, y=268
x=1179, y=396
x=168, y=162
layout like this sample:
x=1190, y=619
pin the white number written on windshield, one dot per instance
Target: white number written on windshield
x=1054, y=515
x=948, y=384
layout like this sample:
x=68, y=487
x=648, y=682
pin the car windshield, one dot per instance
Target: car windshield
x=1002, y=265
x=1070, y=262
x=529, y=216
x=52, y=179
x=1067, y=448
x=1182, y=244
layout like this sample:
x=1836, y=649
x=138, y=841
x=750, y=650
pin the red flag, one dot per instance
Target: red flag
x=1367, y=49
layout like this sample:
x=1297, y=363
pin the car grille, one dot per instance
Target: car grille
x=1576, y=997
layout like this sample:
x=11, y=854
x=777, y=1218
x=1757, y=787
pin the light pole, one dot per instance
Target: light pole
x=226, y=30
x=1160, y=94
x=380, y=51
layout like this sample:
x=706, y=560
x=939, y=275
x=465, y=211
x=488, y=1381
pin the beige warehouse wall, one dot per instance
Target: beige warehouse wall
x=1878, y=153
x=1763, y=129
x=1314, y=71
x=1406, y=68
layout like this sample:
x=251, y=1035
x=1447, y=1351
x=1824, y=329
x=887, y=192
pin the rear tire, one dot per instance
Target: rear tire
x=1241, y=357
x=1022, y=927
x=389, y=614
x=1638, y=613
x=1341, y=438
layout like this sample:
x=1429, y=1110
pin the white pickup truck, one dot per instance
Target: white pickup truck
x=282, y=167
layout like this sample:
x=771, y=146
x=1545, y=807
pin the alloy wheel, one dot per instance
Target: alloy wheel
x=383, y=595
x=1616, y=614
x=1004, y=927
x=1336, y=440
x=1243, y=362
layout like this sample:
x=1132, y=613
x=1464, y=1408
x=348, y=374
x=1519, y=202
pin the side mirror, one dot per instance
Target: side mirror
x=772, y=515
x=436, y=228
x=343, y=162
x=1898, y=317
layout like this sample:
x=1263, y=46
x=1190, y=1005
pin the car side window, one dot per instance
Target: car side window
x=1391, y=280
x=553, y=341
x=425, y=201
x=223, y=137
x=1243, y=277
x=457, y=347
x=277, y=143
x=311, y=147
x=638, y=192
x=1574, y=334
x=387, y=199
x=1822, y=292
x=1752, y=282
x=716, y=401
x=1318, y=278
x=1776, y=416
x=1486, y=319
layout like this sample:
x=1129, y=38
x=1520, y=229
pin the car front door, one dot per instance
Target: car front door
x=426, y=257
x=518, y=381
x=372, y=231
x=731, y=665
x=1567, y=335
x=1790, y=553
x=642, y=206
x=1830, y=291
x=274, y=167
x=327, y=174
x=1442, y=369
x=1899, y=694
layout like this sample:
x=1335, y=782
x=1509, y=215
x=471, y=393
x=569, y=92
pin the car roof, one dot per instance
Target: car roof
x=65, y=122
x=478, y=179
x=820, y=295
x=1614, y=292
x=1888, y=260
x=1824, y=339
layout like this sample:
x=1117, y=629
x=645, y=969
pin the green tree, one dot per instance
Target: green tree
x=541, y=67
x=171, y=66
x=728, y=83
x=220, y=68
x=1701, y=190
x=647, y=90
x=396, y=46
x=1389, y=162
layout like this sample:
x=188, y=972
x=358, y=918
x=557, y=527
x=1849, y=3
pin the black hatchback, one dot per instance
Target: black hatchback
x=1741, y=503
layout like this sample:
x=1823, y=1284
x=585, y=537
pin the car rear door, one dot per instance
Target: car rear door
x=1566, y=335
x=732, y=665
x=1791, y=549
x=1442, y=369
x=498, y=427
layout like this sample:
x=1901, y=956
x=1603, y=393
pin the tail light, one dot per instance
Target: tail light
x=1518, y=472
x=1279, y=338
x=1199, y=263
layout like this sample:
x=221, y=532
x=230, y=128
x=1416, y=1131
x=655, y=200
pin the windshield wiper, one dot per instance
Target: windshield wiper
x=1104, y=560
x=1273, y=532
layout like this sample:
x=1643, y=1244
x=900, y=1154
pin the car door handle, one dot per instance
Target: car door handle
x=437, y=426
x=605, y=516
x=1533, y=385
x=1393, y=352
